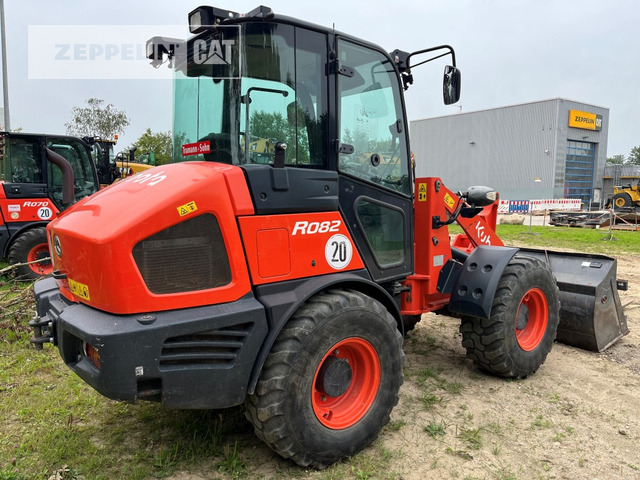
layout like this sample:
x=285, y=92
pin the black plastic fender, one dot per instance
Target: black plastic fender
x=282, y=299
x=473, y=291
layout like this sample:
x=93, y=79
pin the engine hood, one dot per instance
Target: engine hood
x=93, y=243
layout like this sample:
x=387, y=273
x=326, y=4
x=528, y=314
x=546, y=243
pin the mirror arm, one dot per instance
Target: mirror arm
x=432, y=49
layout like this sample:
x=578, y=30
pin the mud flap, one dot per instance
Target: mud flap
x=591, y=315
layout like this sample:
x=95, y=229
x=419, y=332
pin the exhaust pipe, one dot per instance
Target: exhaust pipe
x=68, y=187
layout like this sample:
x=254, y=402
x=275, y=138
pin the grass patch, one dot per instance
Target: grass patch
x=566, y=238
x=429, y=401
x=52, y=421
x=541, y=423
x=471, y=437
x=16, y=308
x=434, y=429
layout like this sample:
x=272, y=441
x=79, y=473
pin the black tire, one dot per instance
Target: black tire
x=314, y=354
x=30, y=245
x=519, y=334
x=622, y=200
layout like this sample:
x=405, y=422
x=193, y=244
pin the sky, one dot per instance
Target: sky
x=509, y=52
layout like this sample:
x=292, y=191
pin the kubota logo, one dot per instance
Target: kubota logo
x=482, y=236
x=147, y=178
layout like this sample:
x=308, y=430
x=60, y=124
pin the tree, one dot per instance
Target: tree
x=634, y=156
x=94, y=120
x=275, y=128
x=159, y=143
x=616, y=159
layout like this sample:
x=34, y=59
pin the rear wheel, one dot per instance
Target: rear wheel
x=622, y=200
x=518, y=336
x=29, y=247
x=330, y=381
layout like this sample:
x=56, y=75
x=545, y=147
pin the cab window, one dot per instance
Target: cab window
x=24, y=162
x=372, y=131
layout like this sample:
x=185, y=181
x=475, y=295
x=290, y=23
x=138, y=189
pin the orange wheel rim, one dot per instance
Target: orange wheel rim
x=36, y=253
x=347, y=408
x=531, y=319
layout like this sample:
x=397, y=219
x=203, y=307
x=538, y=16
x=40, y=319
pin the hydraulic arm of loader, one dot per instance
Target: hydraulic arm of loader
x=591, y=314
x=434, y=205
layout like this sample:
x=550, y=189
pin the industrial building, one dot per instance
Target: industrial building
x=549, y=149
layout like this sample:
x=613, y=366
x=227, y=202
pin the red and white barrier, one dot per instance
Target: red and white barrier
x=523, y=206
x=569, y=204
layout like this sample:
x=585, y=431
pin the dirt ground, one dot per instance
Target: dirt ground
x=577, y=417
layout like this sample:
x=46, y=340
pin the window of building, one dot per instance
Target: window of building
x=579, y=169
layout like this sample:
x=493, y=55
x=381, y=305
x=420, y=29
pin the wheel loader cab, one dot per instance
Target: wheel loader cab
x=334, y=103
x=29, y=174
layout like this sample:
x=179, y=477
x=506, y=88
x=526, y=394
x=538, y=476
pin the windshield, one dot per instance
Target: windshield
x=248, y=89
x=81, y=162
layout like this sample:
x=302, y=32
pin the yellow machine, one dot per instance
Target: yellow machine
x=626, y=196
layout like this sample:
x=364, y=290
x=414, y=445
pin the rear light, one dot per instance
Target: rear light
x=92, y=354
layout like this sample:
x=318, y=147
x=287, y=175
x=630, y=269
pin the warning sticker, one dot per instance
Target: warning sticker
x=449, y=201
x=79, y=289
x=187, y=208
x=422, y=192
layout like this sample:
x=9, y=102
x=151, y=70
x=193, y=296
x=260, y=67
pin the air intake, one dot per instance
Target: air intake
x=187, y=257
x=213, y=348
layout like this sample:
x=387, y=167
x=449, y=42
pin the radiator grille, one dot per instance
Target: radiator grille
x=186, y=257
x=212, y=348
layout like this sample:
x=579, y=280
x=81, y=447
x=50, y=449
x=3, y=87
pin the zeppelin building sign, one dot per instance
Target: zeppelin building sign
x=585, y=120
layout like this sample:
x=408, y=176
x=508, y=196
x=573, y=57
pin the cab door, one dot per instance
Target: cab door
x=373, y=160
x=22, y=167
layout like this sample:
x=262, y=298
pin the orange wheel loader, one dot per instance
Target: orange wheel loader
x=284, y=278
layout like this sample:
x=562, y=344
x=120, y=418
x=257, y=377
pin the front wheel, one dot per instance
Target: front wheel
x=622, y=200
x=519, y=334
x=330, y=381
x=31, y=246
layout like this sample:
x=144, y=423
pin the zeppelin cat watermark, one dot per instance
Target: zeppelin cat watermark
x=105, y=52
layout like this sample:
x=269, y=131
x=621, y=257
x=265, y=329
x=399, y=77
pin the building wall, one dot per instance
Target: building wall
x=520, y=150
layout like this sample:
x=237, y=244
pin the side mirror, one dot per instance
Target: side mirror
x=451, y=85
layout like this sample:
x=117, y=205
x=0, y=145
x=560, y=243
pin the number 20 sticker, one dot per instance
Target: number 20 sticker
x=45, y=213
x=338, y=252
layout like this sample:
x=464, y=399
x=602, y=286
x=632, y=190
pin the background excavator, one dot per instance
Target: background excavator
x=284, y=277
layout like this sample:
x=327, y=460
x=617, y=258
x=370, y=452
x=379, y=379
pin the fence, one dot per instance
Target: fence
x=523, y=206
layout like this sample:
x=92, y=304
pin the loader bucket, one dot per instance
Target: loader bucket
x=591, y=315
